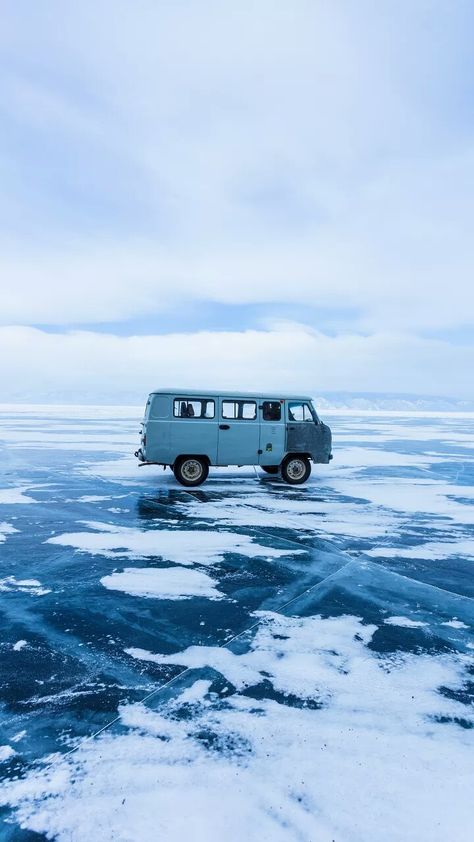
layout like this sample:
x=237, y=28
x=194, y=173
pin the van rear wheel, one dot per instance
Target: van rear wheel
x=295, y=469
x=191, y=470
x=270, y=469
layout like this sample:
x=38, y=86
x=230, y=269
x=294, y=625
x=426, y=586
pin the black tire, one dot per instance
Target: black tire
x=191, y=470
x=295, y=469
x=270, y=469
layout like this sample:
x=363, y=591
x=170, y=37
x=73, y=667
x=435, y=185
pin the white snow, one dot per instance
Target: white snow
x=324, y=517
x=455, y=624
x=15, y=496
x=20, y=644
x=162, y=583
x=95, y=498
x=31, y=586
x=6, y=529
x=367, y=457
x=6, y=752
x=405, y=622
x=431, y=550
x=430, y=497
x=180, y=546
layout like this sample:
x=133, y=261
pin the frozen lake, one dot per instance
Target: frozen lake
x=272, y=663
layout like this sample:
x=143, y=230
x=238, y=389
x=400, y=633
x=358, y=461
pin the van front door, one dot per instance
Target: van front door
x=239, y=432
x=272, y=432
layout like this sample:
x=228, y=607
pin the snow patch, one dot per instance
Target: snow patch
x=6, y=529
x=163, y=583
x=180, y=546
x=431, y=550
x=31, y=586
x=455, y=624
x=404, y=622
x=15, y=496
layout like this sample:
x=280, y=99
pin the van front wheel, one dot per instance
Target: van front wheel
x=191, y=470
x=295, y=469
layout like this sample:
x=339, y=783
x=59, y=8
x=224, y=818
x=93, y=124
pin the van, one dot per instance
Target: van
x=192, y=430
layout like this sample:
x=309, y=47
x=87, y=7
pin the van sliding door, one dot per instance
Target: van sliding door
x=239, y=433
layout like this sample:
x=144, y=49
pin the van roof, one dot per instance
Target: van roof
x=209, y=393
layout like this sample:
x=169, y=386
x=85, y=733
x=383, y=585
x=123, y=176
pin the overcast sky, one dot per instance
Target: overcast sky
x=248, y=194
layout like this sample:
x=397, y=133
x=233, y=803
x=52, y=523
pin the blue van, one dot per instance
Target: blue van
x=191, y=430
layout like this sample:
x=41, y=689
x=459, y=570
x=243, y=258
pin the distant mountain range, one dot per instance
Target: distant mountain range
x=392, y=402
x=375, y=401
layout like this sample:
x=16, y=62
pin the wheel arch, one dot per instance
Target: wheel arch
x=203, y=456
x=303, y=453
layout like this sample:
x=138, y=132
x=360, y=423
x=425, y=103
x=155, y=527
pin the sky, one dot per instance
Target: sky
x=259, y=194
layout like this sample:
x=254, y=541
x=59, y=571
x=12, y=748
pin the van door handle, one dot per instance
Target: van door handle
x=224, y=426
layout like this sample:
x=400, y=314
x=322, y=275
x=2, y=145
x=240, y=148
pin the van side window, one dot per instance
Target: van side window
x=239, y=410
x=271, y=410
x=299, y=412
x=193, y=408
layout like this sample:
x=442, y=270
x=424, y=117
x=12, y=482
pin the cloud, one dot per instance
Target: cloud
x=306, y=154
x=99, y=367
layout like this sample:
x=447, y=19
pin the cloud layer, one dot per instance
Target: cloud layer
x=306, y=154
x=83, y=365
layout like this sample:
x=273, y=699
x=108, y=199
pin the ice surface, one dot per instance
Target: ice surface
x=307, y=660
x=375, y=752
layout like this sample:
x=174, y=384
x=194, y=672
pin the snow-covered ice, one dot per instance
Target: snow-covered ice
x=269, y=663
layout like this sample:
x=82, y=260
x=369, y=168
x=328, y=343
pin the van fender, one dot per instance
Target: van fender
x=193, y=456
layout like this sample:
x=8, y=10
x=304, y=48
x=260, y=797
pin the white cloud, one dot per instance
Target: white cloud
x=104, y=367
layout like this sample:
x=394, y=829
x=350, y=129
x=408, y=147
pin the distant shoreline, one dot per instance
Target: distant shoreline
x=124, y=410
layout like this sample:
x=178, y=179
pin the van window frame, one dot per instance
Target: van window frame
x=238, y=402
x=302, y=420
x=273, y=403
x=187, y=400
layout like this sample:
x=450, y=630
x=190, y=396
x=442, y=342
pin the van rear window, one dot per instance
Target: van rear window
x=193, y=408
x=239, y=410
x=160, y=406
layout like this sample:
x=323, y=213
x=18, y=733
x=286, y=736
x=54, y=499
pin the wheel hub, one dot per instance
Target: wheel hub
x=191, y=469
x=296, y=468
